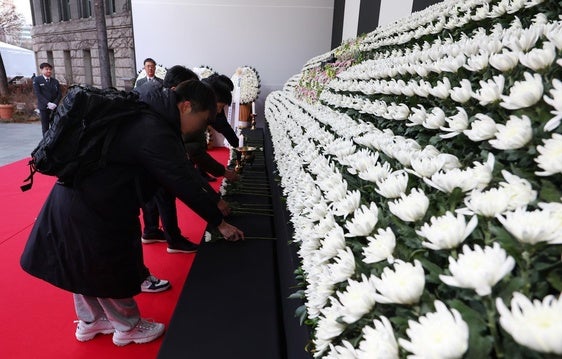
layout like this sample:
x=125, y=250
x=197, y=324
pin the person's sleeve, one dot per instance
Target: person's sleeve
x=196, y=147
x=221, y=125
x=163, y=155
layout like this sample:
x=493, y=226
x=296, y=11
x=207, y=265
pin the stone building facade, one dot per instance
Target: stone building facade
x=64, y=34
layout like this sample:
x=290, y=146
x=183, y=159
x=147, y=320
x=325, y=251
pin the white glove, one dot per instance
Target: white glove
x=51, y=106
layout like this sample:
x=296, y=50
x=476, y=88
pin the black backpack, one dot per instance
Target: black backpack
x=81, y=131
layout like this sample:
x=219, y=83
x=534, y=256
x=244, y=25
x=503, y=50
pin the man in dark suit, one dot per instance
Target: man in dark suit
x=48, y=92
x=150, y=69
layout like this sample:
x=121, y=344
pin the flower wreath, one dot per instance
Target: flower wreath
x=249, y=83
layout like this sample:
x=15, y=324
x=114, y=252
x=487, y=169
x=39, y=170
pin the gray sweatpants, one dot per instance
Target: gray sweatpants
x=123, y=314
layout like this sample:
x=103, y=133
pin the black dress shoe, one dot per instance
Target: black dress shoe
x=182, y=245
x=153, y=237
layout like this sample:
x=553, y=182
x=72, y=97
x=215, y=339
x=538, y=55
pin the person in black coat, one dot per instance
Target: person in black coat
x=86, y=237
x=48, y=92
x=196, y=143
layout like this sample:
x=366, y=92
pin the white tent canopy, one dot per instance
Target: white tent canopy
x=17, y=60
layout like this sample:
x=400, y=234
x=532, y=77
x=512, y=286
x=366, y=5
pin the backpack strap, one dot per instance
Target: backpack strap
x=29, y=178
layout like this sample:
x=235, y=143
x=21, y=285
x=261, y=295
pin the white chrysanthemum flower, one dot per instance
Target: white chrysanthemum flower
x=343, y=267
x=440, y=334
x=524, y=93
x=538, y=59
x=449, y=180
x=393, y=185
x=556, y=102
x=482, y=172
x=505, y=61
x=516, y=133
x=417, y=116
x=208, y=236
x=479, y=269
x=463, y=93
x=410, y=208
x=403, y=285
x=426, y=166
x=378, y=341
x=344, y=351
x=524, y=40
x=435, y=119
x=376, y=173
x=536, y=325
x=358, y=299
x=520, y=191
x=328, y=327
x=550, y=158
x=478, y=61
x=332, y=243
x=532, y=227
x=488, y=203
x=380, y=247
x=490, y=91
x=483, y=128
x=364, y=221
x=457, y=124
x=447, y=231
x=442, y=89
x=347, y=205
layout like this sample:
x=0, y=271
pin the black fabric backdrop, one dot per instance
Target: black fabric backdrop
x=234, y=303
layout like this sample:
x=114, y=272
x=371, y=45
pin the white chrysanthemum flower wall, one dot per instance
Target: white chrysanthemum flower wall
x=421, y=164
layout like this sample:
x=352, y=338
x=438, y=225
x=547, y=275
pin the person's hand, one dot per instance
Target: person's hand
x=229, y=232
x=224, y=207
x=231, y=175
x=51, y=106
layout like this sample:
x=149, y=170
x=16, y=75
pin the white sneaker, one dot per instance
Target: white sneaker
x=143, y=332
x=87, y=331
x=154, y=285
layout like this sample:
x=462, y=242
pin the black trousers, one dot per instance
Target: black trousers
x=162, y=205
x=45, y=116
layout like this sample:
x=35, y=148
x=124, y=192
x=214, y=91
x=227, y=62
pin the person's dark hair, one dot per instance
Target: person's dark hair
x=200, y=95
x=45, y=64
x=221, y=90
x=177, y=74
x=148, y=59
x=222, y=79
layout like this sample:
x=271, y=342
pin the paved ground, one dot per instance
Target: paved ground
x=17, y=140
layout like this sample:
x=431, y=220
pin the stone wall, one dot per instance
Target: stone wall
x=72, y=47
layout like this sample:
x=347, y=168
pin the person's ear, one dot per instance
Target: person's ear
x=185, y=106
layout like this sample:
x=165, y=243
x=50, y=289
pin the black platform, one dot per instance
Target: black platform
x=234, y=303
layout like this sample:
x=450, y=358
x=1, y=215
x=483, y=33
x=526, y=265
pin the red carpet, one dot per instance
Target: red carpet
x=38, y=318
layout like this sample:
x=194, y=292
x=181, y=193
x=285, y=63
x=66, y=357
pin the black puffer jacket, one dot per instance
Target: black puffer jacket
x=87, y=238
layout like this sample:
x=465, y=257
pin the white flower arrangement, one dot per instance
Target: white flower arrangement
x=438, y=136
x=204, y=71
x=249, y=81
